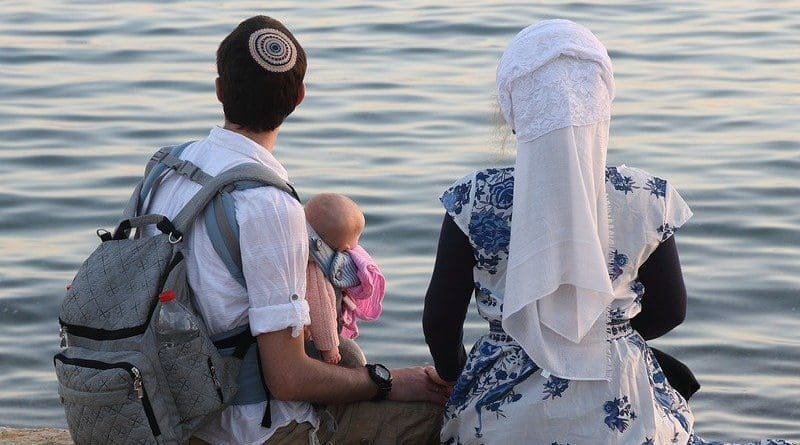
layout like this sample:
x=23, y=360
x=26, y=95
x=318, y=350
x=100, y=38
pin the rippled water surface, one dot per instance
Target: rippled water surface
x=399, y=105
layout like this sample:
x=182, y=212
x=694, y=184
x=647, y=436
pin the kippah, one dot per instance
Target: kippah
x=273, y=50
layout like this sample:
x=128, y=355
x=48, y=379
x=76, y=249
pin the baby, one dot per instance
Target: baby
x=339, y=222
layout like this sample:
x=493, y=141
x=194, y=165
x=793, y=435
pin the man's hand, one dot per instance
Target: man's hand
x=415, y=385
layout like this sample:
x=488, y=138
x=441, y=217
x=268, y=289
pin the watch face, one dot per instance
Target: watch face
x=382, y=372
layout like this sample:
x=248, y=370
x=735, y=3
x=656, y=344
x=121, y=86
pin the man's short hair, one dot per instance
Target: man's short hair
x=253, y=97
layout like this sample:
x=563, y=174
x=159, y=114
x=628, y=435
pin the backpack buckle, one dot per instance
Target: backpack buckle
x=188, y=169
x=159, y=155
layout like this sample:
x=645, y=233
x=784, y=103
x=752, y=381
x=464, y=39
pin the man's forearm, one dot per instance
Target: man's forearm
x=324, y=383
x=292, y=375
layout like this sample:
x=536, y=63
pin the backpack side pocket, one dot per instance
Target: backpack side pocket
x=197, y=378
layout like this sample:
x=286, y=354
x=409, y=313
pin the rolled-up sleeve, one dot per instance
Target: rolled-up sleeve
x=274, y=245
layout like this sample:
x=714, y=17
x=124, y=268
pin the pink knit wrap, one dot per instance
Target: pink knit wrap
x=362, y=302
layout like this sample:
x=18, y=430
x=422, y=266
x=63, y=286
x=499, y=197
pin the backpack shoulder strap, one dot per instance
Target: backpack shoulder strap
x=153, y=173
x=237, y=178
x=218, y=205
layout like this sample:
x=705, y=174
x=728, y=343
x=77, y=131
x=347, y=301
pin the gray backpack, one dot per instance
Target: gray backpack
x=117, y=383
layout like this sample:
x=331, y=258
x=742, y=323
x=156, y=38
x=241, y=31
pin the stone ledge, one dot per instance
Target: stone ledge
x=34, y=436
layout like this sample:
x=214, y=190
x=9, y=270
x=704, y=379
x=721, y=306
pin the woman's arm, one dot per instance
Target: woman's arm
x=447, y=300
x=664, y=301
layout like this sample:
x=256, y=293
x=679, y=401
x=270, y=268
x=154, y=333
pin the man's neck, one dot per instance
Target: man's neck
x=265, y=139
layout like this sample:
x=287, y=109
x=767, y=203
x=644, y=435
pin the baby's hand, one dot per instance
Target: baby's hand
x=333, y=357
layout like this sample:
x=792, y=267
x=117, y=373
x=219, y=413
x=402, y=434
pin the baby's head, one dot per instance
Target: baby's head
x=336, y=219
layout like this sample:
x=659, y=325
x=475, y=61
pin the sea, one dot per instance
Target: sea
x=400, y=103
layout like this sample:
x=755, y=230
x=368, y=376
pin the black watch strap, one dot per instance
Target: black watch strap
x=382, y=377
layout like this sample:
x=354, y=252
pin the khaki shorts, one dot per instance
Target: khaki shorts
x=365, y=423
x=379, y=423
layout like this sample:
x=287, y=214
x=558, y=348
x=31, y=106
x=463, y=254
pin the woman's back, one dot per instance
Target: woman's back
x=644, y=210
x=502, y=389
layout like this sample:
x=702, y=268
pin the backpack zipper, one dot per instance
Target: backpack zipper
x=138, y=386
x=214, y=379
x=138, y=383
x=97, y=334
x=62, y=332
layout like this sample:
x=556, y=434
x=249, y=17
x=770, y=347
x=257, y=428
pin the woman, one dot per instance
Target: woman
x=560, y=283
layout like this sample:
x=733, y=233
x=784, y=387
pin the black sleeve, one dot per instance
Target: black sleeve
x=678, y=374
x=447, y=300
x=664, y=301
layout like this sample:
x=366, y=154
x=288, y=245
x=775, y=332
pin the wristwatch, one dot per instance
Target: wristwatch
x=382, y=377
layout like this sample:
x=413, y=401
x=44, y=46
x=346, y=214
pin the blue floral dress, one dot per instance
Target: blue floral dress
x=501, y=396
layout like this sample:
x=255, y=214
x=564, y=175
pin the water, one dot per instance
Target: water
x=174, y=325
x=399, y=105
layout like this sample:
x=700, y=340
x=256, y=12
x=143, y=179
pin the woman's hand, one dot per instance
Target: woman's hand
x=416, y=385
x=434, y=376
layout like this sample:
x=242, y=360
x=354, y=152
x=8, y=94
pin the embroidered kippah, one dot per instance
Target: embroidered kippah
x=273, y=50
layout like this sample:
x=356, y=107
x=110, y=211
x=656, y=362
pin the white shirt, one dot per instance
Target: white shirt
x=274, y=248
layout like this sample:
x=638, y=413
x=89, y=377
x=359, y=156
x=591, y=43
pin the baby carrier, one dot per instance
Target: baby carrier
x=118, y=383
x=338, y=269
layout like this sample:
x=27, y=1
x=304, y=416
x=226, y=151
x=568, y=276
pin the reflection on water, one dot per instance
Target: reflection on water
x=399, y=104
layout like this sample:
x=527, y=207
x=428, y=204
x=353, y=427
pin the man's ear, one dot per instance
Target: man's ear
x=301, y=94
x=218, y=87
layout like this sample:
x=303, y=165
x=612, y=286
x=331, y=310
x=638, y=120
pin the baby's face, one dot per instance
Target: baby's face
x=344, y=241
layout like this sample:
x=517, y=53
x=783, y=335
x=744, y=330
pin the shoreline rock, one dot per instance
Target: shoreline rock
x=34, y=436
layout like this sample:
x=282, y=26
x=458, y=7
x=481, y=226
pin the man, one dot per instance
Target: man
x=261, y=68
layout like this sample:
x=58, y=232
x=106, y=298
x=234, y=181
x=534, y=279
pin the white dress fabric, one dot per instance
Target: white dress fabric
x=501, y=396
x=274, y=256
x=555, y=87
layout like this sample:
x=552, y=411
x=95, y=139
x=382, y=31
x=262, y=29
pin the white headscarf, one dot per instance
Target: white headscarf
x=555, y=86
